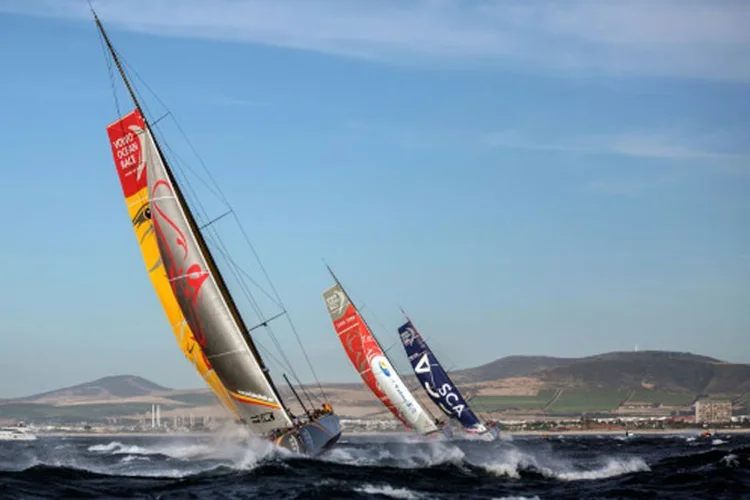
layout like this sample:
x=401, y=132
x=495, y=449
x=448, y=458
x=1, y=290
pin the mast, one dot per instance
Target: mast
x=195, y=229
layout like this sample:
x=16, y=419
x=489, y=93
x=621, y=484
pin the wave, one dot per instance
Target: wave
x=393, y=468
x=389, y=491
x=516, y=464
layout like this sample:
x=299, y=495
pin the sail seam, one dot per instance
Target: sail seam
x=226, y=353
x=185, y=276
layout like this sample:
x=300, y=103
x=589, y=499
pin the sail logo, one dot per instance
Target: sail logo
x=446, y=393
x=408, y=336
x=336, y=303
x=128, y=148
x=262, y=418
x=384, y=367
x=134, y=148
x=423, y=366
x=174, y=248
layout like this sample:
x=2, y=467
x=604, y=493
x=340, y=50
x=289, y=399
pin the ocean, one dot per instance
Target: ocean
x=403, y=467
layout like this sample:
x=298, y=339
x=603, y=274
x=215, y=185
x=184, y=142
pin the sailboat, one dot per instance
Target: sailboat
x=373, y=365
x=206, y=321
x=438, y=385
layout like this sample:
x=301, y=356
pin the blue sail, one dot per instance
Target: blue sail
x=435, y=380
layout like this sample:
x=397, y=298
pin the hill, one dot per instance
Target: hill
x=112, y=387
x=617, y=371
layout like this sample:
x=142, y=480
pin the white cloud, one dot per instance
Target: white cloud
x=678, y=38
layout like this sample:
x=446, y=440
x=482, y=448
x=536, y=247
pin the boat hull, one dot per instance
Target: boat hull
x=312, y=438
x=16, y=436
x=443, y=433
x=491, y=434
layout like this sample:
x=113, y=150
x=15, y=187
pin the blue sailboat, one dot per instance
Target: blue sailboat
x=438, y=385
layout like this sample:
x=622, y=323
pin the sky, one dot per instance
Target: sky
x=546, y=178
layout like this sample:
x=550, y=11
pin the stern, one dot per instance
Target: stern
x=312, y=438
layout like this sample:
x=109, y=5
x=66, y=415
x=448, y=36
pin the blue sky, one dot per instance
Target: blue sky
x=557, y=178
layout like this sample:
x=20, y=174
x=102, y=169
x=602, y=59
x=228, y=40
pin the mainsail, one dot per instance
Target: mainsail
x=127, y=149
x=436, y=381
x=372, y=364
x=197, y=288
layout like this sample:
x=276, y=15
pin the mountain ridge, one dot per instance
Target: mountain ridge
x=607, y=380
x=653, y=370
x=109, y=387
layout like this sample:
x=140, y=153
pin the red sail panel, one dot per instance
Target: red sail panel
x=127, y=152
x=358, y=342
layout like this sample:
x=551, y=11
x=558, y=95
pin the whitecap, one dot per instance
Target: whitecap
x=389, y=491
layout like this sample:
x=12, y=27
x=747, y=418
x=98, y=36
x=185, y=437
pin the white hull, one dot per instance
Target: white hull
x=15, y=435
x=491, y=434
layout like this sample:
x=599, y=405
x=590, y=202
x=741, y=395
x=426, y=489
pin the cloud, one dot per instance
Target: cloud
x=658, y=145
x=677, y=38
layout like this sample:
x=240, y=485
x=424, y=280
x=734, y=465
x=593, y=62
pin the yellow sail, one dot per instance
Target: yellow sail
x=127, y=150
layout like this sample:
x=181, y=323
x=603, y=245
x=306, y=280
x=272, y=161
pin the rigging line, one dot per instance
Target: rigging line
x=248, y=277
x=259, y=312
x=249, y=296
x=281, y=303
x=183, y=163
x=219, y=194
x=280, y=365
x=195, y=200
x=256, y=306
x=215, y=219
x=141, y=101
x=273, y=359
x=265, y=322
x=235, y=312
x=108, y=61
x=214, y=237
x=155, y=126
x=216, y=191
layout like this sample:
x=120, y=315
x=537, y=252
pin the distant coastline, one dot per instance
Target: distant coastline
x=572, y=432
